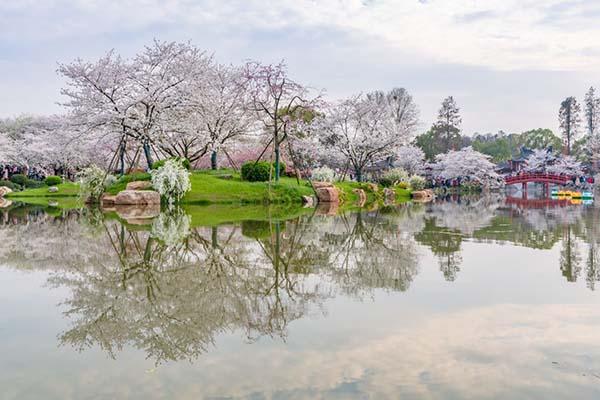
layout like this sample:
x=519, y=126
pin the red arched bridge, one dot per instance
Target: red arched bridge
x=537, y=178
x=546, y=179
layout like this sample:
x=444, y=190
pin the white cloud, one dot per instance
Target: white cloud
x=532, y=53
x=502, y=34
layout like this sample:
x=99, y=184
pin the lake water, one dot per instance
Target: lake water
x=472, y=298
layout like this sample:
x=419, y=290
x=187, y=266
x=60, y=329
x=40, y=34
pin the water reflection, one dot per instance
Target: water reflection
x=170, y=288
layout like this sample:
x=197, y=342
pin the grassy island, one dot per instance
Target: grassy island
x=220, y=187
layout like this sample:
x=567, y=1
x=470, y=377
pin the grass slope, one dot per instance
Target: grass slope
x=223, y=187
x=67, y=189
x=209, y=187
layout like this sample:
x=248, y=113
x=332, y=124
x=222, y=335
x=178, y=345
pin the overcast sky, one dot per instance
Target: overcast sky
x=508, y=63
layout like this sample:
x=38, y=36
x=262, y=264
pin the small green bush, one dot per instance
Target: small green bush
x=19, y=179
x=11, y=185
x=53, y=180
x=184, y=162
x=33, y=184
x=417, y=182
x=256, y=171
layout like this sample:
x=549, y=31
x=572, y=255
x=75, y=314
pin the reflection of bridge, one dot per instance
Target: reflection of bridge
x=546, y=179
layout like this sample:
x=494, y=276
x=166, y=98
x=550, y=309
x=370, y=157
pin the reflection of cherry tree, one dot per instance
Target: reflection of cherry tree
x=570, y=257
x=592, y=237
x=445, y=244
x=466, y=214
x=368, y=251
x=172, y=299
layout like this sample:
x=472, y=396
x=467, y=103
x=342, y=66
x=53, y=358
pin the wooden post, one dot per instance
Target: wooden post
x=524, y=190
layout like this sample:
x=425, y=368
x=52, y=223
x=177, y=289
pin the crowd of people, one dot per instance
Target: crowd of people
x=8, y=170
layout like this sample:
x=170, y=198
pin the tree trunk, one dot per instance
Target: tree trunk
x=148, y=154
x=122, y=158
x=358, y=172
x=213, y=160
x=214, y=237
x=277, y=162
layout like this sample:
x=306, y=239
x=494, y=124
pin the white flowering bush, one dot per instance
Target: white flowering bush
x=171, y=228
x=417, y=182
x=171, y=180
x=323, y=174
x=93, y=180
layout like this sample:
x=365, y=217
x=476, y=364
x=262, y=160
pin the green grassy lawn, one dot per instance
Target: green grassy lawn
x=65, y=202
x=67, y=189
x=209, y=188
x=222, y=187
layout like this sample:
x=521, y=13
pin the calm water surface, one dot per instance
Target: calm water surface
x=461, y=299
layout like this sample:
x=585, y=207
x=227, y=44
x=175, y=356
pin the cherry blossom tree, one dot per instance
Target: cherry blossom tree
x=137, y=98
x=276, y=98
x=539, y=161
x=367, y=129
x=542, y=160
x=218, y=115
x=410, y=158
x=159, y=78
x=7, y=148
x=467, y=163
x=566, y=165
x=99, y=98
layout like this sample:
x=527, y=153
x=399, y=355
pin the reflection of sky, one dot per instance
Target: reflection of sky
x=509, y=327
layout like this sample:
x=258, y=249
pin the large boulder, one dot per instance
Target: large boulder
x=389, y=196
x=423, y=195
x=4, y=190
x=327, y=209
x=138, y=214
x=52, y=189
x=319, y=185
x=328, y=195
x=107, y=200
x=138, y=185
x=5, y=203
x=136, y=197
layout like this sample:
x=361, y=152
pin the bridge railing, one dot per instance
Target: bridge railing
x=536, y=177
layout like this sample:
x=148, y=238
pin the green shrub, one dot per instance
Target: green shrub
x=138, y=176
x=417, y=182
x=11, y=185
x=33, y=184
x=19, y=179
x=53, y=180
x=393, y=177
x=184, y=162
x=92, y=182
x=256, y=171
